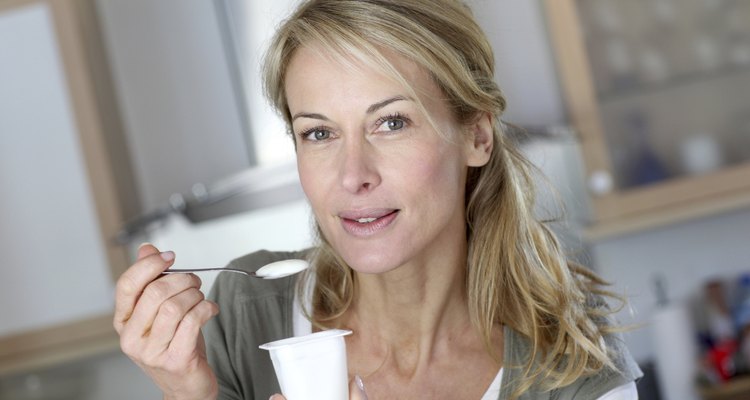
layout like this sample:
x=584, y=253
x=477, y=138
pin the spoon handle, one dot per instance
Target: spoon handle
x=190, y=270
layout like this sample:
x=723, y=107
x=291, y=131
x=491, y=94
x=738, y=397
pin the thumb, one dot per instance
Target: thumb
x=145, y=250
x=357, y=389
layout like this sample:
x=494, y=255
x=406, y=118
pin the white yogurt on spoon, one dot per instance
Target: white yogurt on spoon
x=280, y=269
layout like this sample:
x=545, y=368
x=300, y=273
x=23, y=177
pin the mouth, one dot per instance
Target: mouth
x=367, y=216
x=369, y=222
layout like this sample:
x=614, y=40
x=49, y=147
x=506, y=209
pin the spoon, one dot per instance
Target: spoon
x=274, y=270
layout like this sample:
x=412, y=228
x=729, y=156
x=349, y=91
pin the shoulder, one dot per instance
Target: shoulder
x=597, y=385
x=518, y=349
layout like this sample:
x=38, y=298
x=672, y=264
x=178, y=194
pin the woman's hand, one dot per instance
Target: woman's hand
x=356, y=391
x=159, y=319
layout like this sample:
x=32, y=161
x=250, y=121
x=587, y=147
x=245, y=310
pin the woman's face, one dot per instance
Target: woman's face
x=385, y=187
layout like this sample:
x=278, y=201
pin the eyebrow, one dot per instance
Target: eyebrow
x=379, y=105
x=375, y=107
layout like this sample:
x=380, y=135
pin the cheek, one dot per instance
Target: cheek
x=438, y=170
x=310, y=181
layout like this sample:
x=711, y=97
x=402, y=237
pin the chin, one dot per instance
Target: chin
x=370, y=260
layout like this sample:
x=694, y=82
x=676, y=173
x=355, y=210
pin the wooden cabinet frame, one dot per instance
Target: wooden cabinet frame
x=624, y=211
x=55, y=344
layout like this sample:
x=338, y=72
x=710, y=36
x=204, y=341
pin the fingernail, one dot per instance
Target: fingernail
x=167, y=255
x=360, y=386
x=143, y=244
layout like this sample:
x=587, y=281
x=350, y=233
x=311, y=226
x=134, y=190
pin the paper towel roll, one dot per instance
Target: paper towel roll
x=676, y=352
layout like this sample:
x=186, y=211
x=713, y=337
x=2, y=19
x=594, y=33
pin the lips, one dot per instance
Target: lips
x=363, y=223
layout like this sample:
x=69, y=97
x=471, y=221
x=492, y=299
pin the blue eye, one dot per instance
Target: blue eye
x=391, y=123
x=395, y=124
x=316, y=134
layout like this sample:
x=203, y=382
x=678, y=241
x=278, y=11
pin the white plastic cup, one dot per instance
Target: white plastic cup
x=311, y=367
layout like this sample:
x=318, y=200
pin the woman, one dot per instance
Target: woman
x=428, y=250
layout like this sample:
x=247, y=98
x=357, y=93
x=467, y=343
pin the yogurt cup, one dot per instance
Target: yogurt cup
x=311, y=367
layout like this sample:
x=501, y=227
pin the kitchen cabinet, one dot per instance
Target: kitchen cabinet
x=659, y=94
x=179, y=96
x=60, y=207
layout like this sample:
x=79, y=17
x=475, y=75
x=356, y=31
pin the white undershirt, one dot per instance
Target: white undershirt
x=301, y=326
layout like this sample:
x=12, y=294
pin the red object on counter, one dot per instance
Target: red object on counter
x=721, y=358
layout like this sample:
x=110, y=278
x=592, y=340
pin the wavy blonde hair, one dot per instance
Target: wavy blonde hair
x=517, y=273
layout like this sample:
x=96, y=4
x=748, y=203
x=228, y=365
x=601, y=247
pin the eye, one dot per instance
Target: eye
x=392, y=123
x=316, y=134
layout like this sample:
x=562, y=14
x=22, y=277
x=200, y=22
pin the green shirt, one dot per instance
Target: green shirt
x=253, y=312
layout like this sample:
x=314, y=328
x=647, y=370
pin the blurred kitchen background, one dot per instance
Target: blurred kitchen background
x=123, y=121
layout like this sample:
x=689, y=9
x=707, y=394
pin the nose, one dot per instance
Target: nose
x=359, y=173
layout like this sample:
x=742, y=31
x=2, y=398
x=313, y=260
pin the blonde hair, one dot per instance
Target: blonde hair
x=517, y=273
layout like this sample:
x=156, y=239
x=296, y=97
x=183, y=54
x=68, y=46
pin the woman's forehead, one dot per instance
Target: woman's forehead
x=384, y=66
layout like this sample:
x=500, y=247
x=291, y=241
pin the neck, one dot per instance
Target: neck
x=414, y=309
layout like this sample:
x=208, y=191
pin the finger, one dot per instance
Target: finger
x=145, y=250
x=187, y=336
x=154, y=295
x=133, y=282
x=277, y=397
x=122, y=306
x=168, y=318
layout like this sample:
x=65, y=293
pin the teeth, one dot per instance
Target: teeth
x=366, y=220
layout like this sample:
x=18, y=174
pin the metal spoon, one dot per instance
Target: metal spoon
x=274, y=270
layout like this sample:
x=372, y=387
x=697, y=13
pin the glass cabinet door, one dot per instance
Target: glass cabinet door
x=660, y=92
x=673, y=83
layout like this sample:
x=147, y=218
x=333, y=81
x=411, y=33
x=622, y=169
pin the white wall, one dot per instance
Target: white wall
x=685, y=254
x=47, y=201
x=525, y=66
x=254, y=22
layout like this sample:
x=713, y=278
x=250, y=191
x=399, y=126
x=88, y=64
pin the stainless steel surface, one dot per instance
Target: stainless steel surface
x=249, y=190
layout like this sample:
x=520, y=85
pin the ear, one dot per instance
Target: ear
x=480, y=140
